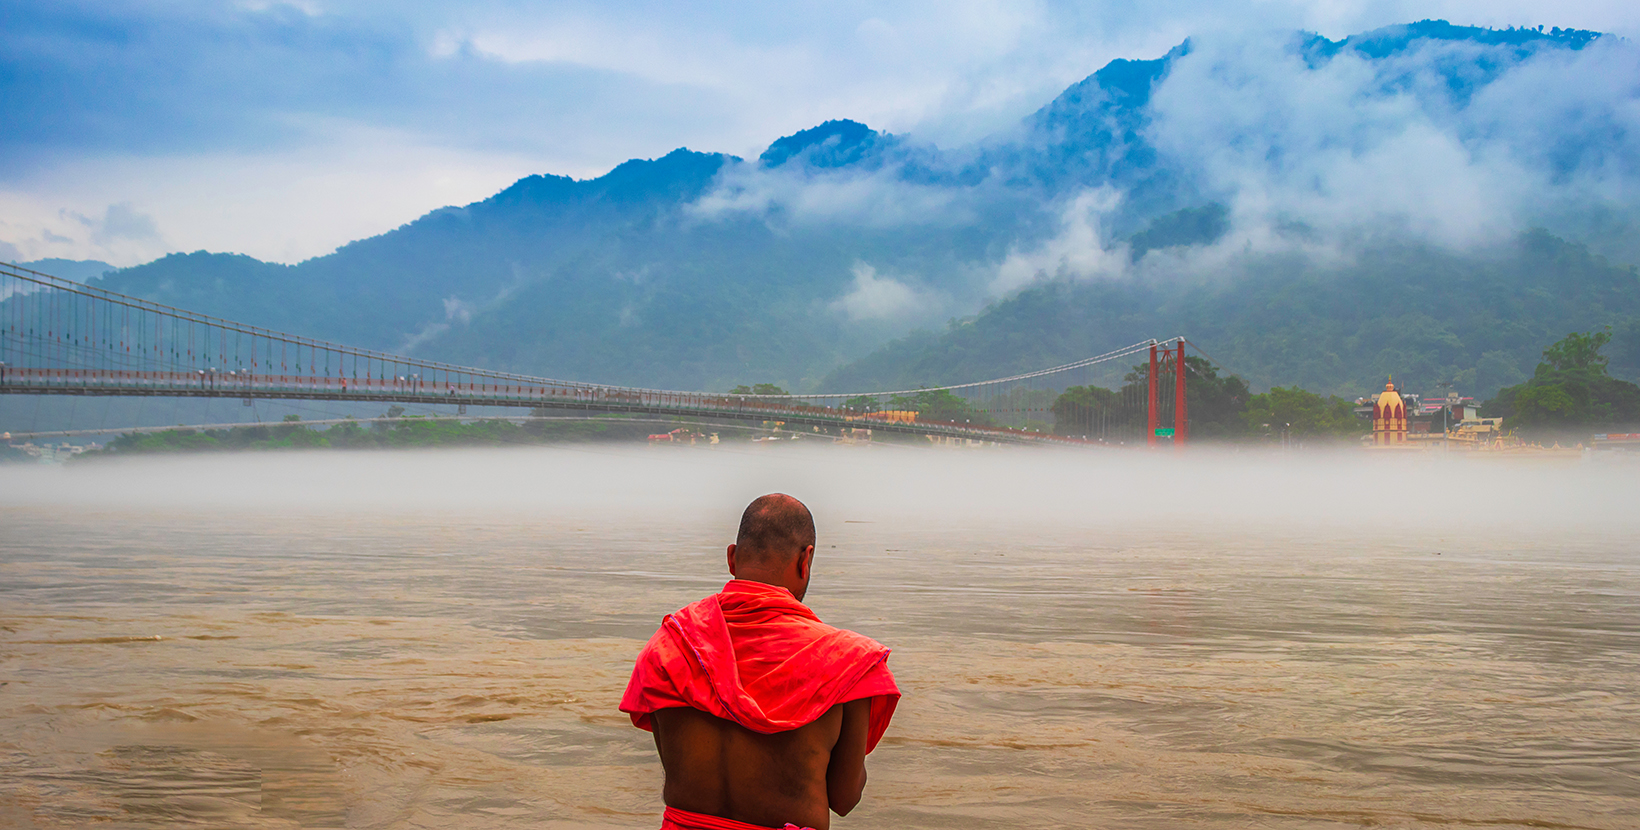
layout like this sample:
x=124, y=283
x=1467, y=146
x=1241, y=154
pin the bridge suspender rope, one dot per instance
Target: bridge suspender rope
x=1151, y=421
x=60, y=337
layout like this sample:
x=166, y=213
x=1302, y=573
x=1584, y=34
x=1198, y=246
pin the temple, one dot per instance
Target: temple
x=1389, y=417
x=1405, y=421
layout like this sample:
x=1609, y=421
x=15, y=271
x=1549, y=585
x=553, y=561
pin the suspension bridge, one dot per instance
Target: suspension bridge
x=61, y=337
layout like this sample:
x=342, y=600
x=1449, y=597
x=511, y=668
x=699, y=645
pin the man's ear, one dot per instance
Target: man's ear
x=805, y=562
x=731, y=557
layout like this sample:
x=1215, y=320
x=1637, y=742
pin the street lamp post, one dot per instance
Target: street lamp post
x=1446, y=413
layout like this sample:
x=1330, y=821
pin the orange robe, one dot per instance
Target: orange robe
x=754, y=655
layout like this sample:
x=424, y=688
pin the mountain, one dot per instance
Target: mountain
x=79, y=270
x=615, y=279
x=1253, y=192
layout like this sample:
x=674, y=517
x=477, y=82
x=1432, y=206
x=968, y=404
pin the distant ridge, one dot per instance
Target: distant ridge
x=79, y=270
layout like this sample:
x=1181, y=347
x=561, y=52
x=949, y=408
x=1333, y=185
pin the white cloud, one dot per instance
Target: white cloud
x=458, y=310
x=873, y=297
x=1078, y=251
x=792, y=193
x=1359, y=147
x=283, y=207
x=118, y=223
x=426, y=333
x=1573, y=116
x=116, y=233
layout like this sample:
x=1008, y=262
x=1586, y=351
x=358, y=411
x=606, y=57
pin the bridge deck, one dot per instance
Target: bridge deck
x=32, y=381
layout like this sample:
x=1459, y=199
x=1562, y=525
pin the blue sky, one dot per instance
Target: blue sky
x=282, y=130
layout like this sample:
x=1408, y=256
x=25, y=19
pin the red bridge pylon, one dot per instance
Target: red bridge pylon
x=1181, y=410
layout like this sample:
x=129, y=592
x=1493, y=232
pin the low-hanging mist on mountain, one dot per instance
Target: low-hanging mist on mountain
x=1431, y=200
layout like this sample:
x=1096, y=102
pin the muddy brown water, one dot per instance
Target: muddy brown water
x=439, y=640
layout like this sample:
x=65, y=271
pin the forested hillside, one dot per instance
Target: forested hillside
x=1419, y=313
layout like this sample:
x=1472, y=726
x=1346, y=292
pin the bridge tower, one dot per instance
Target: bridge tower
x=1181, y=410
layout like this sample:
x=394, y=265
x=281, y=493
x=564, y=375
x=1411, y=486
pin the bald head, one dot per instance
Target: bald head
x=774, y=529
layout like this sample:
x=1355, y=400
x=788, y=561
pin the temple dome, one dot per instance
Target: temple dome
x=1389, y=401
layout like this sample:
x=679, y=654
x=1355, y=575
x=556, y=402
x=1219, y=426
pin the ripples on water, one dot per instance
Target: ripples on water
x=440, y=639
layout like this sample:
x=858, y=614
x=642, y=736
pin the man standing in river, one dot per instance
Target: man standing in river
x=762, y=714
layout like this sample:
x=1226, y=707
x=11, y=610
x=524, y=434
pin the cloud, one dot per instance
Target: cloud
x=1403, y=145
x=458, y=310
x=1572, y=116
x=427, y=332
x=798, y=195
x=191, y=78
x=584, y=86
x=118, y=223
x=288, y=205
x=118, y=233
x=873, y=297
x=1077, y=251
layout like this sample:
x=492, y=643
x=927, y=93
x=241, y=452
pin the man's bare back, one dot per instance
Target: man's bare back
x=721, y=768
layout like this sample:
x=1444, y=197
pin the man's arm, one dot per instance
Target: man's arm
x=846, y=774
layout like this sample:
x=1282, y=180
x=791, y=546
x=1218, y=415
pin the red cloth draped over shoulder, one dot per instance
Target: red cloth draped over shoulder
x=754, y=655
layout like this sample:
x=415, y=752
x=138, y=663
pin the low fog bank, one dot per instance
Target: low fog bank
x=900, y=489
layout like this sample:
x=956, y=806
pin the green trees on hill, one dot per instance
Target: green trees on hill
x=939, y=405
x=1422, y=313
x=1577, y=351
x=1295, y=413
x=1571, y=394
x=863, y=403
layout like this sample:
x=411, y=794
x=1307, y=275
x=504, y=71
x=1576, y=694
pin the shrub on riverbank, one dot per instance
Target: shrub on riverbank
x=393, y=433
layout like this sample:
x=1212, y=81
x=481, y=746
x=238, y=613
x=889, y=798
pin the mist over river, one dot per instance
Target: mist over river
x=1084, y=639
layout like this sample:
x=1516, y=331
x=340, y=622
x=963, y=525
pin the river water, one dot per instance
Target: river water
x=439, y=639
